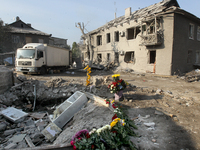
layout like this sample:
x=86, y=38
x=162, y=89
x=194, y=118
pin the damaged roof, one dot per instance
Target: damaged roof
x=141, y=13
x=21, y=27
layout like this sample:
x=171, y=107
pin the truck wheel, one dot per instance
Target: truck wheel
x=43, y=70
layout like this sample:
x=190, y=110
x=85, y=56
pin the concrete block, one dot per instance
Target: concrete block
x=51, y=131
x=13, y=114
x=68, y=108
x=9, y=132
x=6, y=79
x=11, y=146
x=17, y=138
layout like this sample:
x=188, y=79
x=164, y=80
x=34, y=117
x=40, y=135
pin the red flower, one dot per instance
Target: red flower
x=72, y=143
x=114, y=117
x=114, y=83
x=120, y=81
x=114, y=131
x=87, y=136
x=113, y=105
x=108, y=86
x=74, y=147
x=92, y=146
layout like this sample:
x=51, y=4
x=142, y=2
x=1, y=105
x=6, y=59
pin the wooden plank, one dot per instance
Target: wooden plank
x=29, y=142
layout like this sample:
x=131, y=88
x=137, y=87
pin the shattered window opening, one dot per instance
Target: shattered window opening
x=99, y=57
x=143, y=28
x=99, y=40
x=117, y=36
x=152, y=57
x=108, y=37
x=191, y=31
x=133, y=32
x=129, y=57
x=108, y=57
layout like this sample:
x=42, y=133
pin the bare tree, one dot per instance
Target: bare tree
x=87, y=38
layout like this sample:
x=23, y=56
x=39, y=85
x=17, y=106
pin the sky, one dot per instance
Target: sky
x=58, y=17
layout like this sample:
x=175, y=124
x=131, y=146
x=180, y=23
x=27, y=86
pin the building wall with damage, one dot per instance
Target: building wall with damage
x=186, y=49
x=132, y=52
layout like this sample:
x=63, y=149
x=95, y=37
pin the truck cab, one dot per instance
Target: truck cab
x=31, y=58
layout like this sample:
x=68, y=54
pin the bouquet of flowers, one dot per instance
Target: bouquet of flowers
x=117, y=84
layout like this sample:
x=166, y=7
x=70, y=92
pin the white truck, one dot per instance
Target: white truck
x=40, y=58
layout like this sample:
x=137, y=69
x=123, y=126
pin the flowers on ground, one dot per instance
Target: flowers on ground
x=117, y=84
x=111, y=136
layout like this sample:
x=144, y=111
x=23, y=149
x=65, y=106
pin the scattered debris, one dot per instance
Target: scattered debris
x=13, y=114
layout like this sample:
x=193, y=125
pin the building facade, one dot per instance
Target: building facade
x=161, y=39
x=22, y=33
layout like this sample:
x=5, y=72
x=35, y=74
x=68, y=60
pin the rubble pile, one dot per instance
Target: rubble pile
x=192, y=76
x=16, y=135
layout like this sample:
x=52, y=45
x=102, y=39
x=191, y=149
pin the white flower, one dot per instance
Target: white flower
x=93, y=130
x=99, y=130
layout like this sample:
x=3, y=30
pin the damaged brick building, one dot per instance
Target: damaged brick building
x=162, y=38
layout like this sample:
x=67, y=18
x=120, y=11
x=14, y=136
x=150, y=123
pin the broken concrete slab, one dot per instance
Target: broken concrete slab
x=9, y=132
x=11, y=146
x=29, y=142
x=37, y=115
x=17, y=138
x=51, y=131
x=13, y=114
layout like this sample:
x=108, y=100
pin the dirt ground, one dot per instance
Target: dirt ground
x=169, y=102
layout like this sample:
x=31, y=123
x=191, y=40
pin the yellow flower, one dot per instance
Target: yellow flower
x=114, y=122
x=115, y=75
x=112, y=101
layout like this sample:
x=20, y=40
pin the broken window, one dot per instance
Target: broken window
x=129, y=57
x=117, y=36
x=198, y=33
x=152, y=57
x=108, y=57
x=99, y=58
x=108, y=37
x=144, y=28
x=189, y=57
x=116, y=58
x=191, y=31
x=99, y=40
x=197, y=57
x=133, y=32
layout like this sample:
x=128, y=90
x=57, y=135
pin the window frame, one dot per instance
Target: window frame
x=151, y=57
x=116, y=36
x=99, y=40
x=198, y=33
x=191, y=31
x=108, y=38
